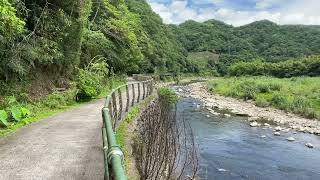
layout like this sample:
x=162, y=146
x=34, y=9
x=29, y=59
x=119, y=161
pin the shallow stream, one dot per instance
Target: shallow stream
x=230, y=149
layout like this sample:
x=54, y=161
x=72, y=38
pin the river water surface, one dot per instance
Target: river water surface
x=230, y=149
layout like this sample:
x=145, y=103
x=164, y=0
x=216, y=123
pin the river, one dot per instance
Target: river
x=230, y=149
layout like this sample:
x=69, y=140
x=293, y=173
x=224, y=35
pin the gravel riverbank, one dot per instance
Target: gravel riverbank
x=263, y=116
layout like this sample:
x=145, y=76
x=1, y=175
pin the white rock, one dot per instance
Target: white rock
x=227, y=115
x=254, y=124
x=277, y=134
x=208, y=116
x=285, y=130
x=278, y=128
x=266, y=124
x=221, y=170
x=180, y=90
x=291, y=139
x=263, y=136
x=309, y=145
x=198, y=105
x=252, y=119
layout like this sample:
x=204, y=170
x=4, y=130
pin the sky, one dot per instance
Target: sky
x=239, y=12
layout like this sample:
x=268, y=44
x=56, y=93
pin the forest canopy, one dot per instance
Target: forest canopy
x=56, y=37
x=262, y=40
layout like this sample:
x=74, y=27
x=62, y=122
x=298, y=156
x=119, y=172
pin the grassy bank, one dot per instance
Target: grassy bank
x=50, y=105
x=300, y=95
x=125, y=136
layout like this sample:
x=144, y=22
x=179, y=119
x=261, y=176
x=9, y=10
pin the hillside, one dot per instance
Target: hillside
x=262, y=38
x=259, y=40
x=54, y=38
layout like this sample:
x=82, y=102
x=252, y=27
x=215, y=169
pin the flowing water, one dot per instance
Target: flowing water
x=230, y=149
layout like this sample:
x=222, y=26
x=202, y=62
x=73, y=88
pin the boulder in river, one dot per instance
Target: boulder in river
x=309, y=145
x=254, y=124
x=277, y=134
x=266, y=124
x=221, y=170
x=278, y=128
x=291, y=139
x=227, y=115
x=263, y=136
x=285, y=130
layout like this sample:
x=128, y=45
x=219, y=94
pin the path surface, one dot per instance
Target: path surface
x=65, y=146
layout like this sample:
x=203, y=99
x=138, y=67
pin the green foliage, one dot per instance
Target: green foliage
x=306, y=66
x=299, y=95
x=90, y=80
x=261, y=102
x=10, y=24
x=19, y=113
x=263, y=40
x=168, y=96
x=3, y=118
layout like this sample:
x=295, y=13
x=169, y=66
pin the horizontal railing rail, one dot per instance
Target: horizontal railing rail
x=117, y=104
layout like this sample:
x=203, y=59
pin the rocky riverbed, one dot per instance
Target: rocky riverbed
x=257, y=116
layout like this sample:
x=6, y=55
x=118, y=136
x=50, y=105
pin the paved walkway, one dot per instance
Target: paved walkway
x=65, y=146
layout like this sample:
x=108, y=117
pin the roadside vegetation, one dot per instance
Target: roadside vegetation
x=300, y=95
x=19, y=110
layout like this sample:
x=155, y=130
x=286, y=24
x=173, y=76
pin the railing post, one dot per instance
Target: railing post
x=128, y=98
x=151, y=87
x=144, y=90
x=138, y=92
x=148, y=88
x=115, y=110
x=120, y=104
x=133, y=95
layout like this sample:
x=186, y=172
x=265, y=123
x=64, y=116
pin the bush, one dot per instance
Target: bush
x=55, y=100
x=280, y=101
x=248, y=89
x=302, y=106
x=261, y=102
x=167, y=95
x=90, y=80
x=290, y=68
x=268, y=87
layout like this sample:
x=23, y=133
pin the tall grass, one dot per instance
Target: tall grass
x=300, y=95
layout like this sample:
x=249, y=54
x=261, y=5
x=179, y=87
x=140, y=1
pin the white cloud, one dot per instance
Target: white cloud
x=294, y=12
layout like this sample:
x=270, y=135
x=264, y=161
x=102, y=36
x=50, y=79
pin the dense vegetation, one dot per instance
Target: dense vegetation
x=262, y=40
x=54, y=38
x=75, y=47
x=299, y=94
x=297, y=67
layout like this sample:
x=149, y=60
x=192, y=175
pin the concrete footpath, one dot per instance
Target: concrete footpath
x=65, y=146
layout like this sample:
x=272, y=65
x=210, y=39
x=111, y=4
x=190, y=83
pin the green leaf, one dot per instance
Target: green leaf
x=25, y=112
x=3, y=118
x=16, y=113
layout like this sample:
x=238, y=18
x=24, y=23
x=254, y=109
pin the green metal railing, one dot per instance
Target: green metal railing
x=116, y=106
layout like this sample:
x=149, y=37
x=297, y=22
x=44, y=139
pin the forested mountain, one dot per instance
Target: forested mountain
x=262, y=39
x=56, y=37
